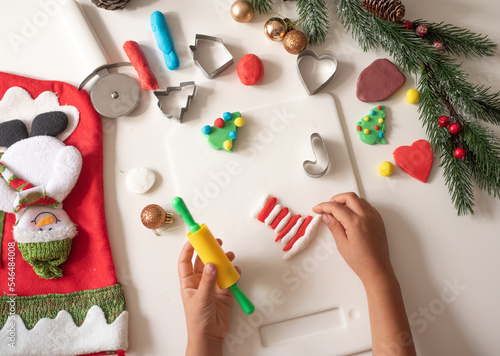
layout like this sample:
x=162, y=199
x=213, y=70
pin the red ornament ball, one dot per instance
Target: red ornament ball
x=407, y=24
x=444, y=121
x=250, y=69
x=454, y=128
x=219, y=123
x=421, y=30
x=459, y=153
x=438, y=45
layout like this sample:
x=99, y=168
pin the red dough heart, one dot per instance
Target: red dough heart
x=416, y=160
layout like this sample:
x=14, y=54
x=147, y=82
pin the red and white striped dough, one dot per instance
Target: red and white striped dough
x=294, y=231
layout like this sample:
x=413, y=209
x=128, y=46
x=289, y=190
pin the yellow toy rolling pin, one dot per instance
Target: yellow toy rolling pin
x=209, y=250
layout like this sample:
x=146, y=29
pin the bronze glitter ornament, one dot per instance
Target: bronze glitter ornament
x=242, y=11
x=295, y=42
x=154, y=217
x=275, y=29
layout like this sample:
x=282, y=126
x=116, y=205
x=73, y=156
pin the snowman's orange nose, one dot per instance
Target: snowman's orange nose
x=45, y=221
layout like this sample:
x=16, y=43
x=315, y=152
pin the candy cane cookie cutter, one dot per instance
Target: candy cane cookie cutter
x=220, y=67
x=163, y=93
x=309, y=164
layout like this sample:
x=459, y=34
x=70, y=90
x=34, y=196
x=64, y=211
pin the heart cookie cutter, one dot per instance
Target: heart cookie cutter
x=323, y=57
x=183, y=86
x=308, y=164
x=210, y=73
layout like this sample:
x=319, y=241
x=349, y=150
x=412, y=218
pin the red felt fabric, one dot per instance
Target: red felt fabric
x=90, y=263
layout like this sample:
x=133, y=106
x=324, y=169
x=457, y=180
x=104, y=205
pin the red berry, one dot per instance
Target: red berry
x=459, y=153
x=219, y=123
x=454, y=128
x=444, y=121
x=421, y=30
x=438, y=45
x=407, y=24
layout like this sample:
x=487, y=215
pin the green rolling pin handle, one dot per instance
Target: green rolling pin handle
x=181, y=208
x=245, y=303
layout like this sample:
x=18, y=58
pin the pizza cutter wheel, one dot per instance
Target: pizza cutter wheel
x=113, y=94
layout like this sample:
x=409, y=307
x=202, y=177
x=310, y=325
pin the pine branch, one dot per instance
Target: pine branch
x=483, y=149
x=262, y=6
x=313, y=15
x=458, y=178
x=444, y=90
x=458, y=40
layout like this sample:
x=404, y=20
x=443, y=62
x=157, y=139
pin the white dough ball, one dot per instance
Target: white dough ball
x=140, y=180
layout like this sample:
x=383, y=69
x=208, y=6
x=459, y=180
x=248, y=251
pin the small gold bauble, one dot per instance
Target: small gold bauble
x=275, y=29
x=153, y=216
x=295, y=42
x=242, y=11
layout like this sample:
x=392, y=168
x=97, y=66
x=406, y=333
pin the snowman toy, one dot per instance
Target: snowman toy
x=37, y=172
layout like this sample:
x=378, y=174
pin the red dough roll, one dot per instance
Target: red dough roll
x=138, y=60
x=250, y=69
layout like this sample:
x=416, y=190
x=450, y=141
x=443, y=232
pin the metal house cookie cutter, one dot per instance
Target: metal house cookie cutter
x=308, y=163
x=218, y=70
x=313, y=54
x=166, y=92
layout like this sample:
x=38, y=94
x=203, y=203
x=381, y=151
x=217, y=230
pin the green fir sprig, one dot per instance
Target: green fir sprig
x=262, y=6
x=313, y=16
x=444, y=90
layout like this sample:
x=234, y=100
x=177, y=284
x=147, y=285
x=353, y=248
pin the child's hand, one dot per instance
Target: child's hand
x=207, y=307
x=359, y=232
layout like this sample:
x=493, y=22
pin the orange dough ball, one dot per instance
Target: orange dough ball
x=250, y=69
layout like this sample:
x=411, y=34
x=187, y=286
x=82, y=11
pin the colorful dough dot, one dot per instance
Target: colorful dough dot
x=227, y=116
x=380, y=121
x=381, y=135
x=219, y=123
x=206, y=129
x=379, y=107
x=386, y=168
x=232, y=134
x=227, y=145
x=372, y=112
x=377, y=127
x=366, y=131
x=366, y=118
x=239, y=122
x=412, y=96
x=358, y=128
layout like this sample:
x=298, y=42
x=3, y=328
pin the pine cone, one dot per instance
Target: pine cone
x=111, y=4
x=389, y=10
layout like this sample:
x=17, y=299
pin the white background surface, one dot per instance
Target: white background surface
x=431, y=247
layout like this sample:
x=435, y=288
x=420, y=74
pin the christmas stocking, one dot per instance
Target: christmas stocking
x=59, y=294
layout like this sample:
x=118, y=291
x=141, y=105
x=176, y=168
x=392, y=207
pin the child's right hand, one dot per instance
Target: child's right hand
x=359, y=233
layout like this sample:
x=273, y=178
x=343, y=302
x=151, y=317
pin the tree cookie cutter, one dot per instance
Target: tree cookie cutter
x=307, y=165
x=330, y=74
x=163, y=93
x=220, y=67
x=113, y=94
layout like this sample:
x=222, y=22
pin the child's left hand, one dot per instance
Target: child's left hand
x=207, y=307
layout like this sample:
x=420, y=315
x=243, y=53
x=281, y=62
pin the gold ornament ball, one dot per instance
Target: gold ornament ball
x=153, y=216
x=242, y=11
x=275, y=29
x=295, y=42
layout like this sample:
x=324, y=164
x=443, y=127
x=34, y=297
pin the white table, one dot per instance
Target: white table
x=447, y=265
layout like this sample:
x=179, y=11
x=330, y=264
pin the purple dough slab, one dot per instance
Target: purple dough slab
x=379, y=81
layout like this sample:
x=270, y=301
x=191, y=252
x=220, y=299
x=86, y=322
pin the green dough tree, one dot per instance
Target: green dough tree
x=371, y=128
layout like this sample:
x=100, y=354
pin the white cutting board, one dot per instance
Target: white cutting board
x=222, y=189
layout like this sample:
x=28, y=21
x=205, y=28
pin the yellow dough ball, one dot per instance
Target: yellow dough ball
x=386, y=168
x=412, y=96
x=239, y=122
x=227, y=145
